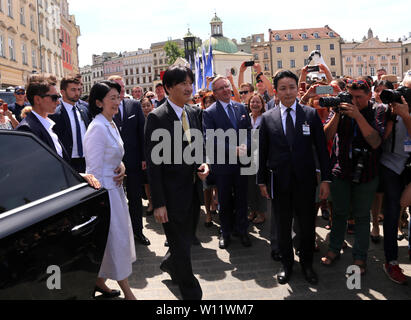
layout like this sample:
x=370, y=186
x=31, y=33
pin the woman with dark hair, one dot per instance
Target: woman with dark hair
x=256, y=203
x=103, y=149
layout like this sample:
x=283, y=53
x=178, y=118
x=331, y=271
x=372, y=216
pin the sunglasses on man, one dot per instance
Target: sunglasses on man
x=243, y=92
x=53, y=97
x=21, y=93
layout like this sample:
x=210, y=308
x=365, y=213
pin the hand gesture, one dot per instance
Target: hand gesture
x=400, y=109
x=323, y=68
x=160, y=214
x=350, y=110
x=264, y=192
x=91, y=180
x=120, y=174
x=243, y=68
x=257, y=68
x=203, y=171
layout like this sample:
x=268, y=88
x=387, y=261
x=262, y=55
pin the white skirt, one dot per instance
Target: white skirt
x=120, y=250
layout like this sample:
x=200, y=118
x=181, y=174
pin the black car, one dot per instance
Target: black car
x=53, y=226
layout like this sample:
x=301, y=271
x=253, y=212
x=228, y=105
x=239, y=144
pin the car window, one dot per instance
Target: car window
x=29, y=172
x=8, y=97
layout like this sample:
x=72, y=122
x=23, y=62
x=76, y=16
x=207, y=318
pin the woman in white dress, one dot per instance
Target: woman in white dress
x=104, y=151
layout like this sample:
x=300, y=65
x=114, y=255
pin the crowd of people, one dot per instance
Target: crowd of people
x=345, y=152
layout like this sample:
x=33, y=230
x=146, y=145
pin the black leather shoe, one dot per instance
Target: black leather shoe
x=166, y=268
x=284, y=275
x=245, y=240
x=106, y=294
x=310, y=275
x=224, y=242
x=275, y=255
x=142, y=239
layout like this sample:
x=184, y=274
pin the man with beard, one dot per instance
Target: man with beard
x=72, y=120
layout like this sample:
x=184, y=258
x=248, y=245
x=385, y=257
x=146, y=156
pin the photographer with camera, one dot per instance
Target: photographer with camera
x=356, y=129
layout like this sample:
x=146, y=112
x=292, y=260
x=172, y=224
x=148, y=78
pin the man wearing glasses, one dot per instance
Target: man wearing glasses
x=44, y=99
x=18, y=106
x=246, y=91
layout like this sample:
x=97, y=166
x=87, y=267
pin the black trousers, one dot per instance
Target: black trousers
x=179, y=233
x=133, y=188
x=298, y=203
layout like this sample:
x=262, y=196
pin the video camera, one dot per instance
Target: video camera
x=390, y=96
x=334, y=102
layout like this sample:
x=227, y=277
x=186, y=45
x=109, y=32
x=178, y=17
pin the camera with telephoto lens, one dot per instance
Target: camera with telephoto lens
x=334, y=102
x=390, y=96
x=360, y=156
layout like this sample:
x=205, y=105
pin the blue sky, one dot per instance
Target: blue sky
x=126, y=25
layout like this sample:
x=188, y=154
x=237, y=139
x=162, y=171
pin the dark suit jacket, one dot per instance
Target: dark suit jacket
x=132, y=134
x=171, y=184
x=214, y=117
x=33, y=125
x=63, y=126
x=276, y=155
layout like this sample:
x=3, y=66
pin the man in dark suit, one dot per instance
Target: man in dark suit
x=161, y=95
x=72, y=120
x=44, y=98
x=231, y=184
x=288, y=136
x=175, y=182
x=130, y=122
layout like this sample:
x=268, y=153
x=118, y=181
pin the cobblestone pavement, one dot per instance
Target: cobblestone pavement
x=240, y=273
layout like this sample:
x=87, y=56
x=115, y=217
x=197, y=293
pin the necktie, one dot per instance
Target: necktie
x=290, y=129
x=118, y=119
x=231, y=115
x=186, y=126
x=78, y=133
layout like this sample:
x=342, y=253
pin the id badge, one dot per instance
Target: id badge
x=407, y=145
x=306, y=129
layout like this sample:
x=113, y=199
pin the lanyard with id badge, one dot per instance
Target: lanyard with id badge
x=407, y=143
x=306, y=129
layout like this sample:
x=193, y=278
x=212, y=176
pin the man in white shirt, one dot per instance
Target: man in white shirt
x=72, y=120
x=43, y=96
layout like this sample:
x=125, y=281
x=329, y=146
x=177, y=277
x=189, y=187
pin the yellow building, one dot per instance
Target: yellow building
x=291, y=48
x=406, y=54
x=366, y=57
x=19, y=52
x=261, y=52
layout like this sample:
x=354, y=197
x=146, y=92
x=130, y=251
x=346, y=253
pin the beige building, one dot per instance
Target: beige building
x=366, y=57
x=19, y=46
x=49, y=37
x=291, y=48
x=406, y=54
x=138, y=70
x=160, y=62
x=260, y=49
x=87, y=79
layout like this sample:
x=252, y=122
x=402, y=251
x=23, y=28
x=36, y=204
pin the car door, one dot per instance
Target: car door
x=53, y=226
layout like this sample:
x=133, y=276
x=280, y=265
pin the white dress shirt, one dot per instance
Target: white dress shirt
x=284, y=115
x=48, y=124
x=83, y=129
x=178, y=110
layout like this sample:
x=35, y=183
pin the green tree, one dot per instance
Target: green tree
x=173, y=52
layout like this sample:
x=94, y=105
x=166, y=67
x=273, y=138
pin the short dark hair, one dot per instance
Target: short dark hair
x=175, y=75
x=159, y=85
x=99, y=92
x=67, y=80
x=284, y=74
x=39, y=85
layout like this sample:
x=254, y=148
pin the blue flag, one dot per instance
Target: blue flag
x=209, y=72
x=204, y=67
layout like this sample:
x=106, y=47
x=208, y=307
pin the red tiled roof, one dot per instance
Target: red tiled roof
x=298, y=34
